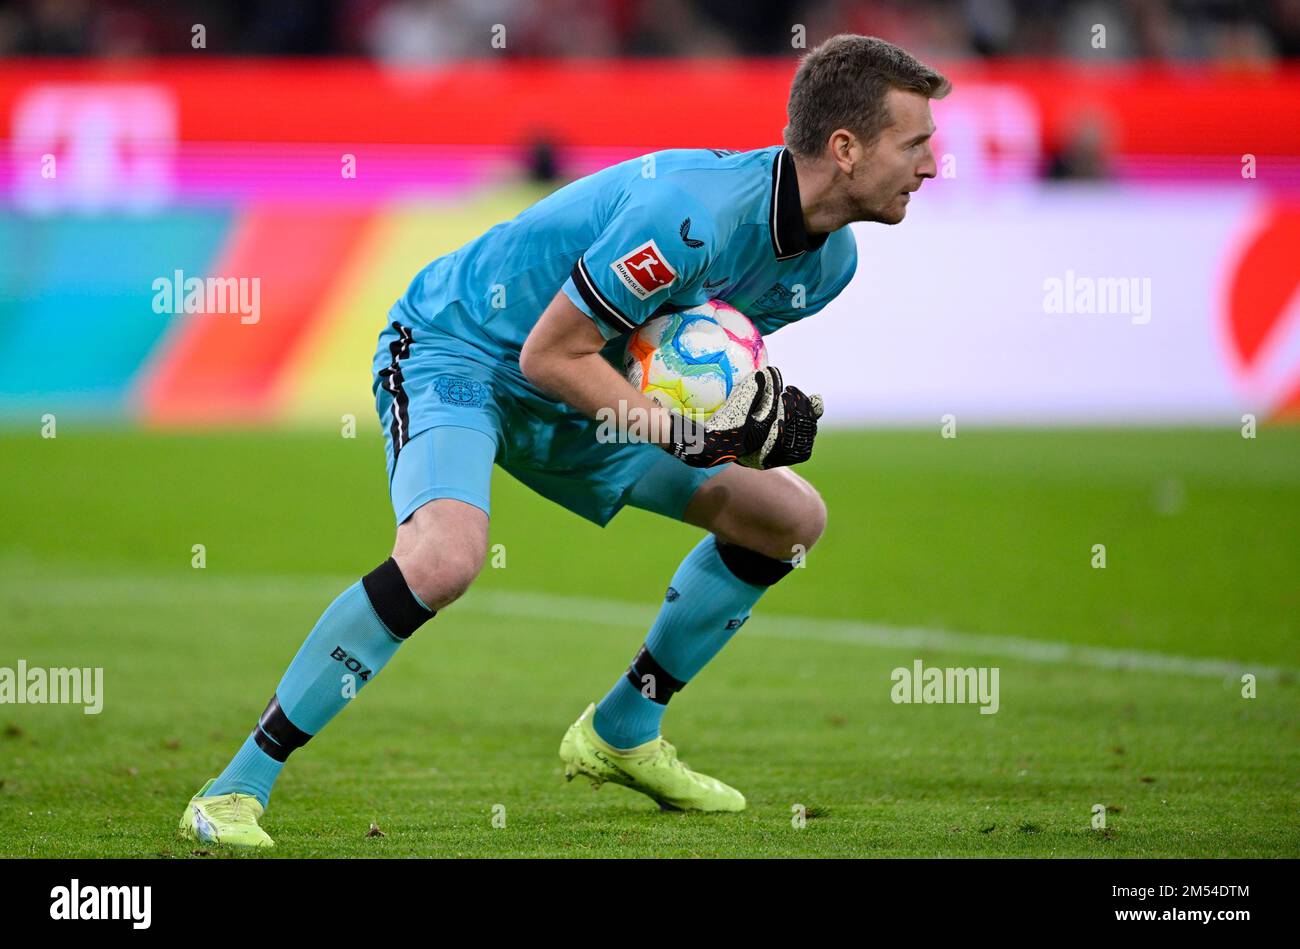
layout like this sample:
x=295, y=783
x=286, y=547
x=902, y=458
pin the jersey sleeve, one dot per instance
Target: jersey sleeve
x=652, y=247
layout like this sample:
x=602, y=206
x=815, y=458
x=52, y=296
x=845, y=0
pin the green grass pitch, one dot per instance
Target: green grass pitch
x=989, y=535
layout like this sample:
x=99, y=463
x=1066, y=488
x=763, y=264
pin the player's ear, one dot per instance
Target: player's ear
x=845, y=149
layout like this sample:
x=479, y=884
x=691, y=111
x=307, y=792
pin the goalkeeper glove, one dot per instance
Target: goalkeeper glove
x=763, y=424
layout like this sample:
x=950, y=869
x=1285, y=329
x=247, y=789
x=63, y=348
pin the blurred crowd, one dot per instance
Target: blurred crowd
x=1234, y=31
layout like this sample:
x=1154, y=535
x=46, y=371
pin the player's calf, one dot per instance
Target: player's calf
x=760, y=522
x=438, y=552
x=351, y=643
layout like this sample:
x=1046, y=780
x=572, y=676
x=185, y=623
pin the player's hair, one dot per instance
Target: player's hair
x=842, y=84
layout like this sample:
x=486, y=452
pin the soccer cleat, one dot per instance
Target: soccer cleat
x=651, y=768
x=224, y=819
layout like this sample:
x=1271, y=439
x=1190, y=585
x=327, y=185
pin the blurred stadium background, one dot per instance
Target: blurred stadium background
x=331, y=149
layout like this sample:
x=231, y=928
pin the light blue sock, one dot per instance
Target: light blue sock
x=251, y=771
x=705, y=605
x=345, y=650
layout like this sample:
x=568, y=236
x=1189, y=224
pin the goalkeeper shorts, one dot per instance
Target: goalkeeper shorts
x=449, y=411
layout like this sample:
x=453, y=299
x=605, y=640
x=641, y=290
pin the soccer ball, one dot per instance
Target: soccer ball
x=688, y=361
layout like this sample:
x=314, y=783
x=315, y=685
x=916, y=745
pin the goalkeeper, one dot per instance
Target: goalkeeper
x=502, y=353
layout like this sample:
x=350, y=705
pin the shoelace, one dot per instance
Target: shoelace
x=671, y=752
x=235, y=808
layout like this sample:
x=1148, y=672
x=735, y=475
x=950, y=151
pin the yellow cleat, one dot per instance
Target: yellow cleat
x=224, y=819
x=652, y=768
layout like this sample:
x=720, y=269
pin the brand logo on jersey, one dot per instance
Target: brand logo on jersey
x=714, y=284
x=685, y=231
x=645, y=271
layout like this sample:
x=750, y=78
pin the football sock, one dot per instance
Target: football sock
x=710, y=598
x=351, y=642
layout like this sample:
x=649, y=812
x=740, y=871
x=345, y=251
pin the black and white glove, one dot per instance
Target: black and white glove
x=763, y=424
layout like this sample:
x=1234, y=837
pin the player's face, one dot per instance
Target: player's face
x=897, y=163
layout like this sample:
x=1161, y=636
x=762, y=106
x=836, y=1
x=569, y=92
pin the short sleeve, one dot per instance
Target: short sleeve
x=656, y=244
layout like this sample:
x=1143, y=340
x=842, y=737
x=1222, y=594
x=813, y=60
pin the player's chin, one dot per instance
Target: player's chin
x=893, y=215
x=896, y=210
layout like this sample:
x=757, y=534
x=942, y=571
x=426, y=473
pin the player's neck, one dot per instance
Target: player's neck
x=822, y=211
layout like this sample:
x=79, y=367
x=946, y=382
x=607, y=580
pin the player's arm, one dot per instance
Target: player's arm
x=762, y=425
x=562, y=356
x=659, y=238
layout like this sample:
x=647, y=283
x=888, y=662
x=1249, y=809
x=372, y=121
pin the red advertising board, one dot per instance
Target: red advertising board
x=1151, y=110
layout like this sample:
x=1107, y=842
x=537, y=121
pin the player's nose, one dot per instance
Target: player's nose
x=929, y=167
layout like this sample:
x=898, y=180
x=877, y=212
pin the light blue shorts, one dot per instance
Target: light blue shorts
x=449, y=413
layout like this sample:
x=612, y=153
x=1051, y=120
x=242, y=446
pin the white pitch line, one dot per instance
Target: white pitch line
x=101, y=590
x=580, y=609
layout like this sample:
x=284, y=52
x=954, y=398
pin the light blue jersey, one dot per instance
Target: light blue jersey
x=664, y=232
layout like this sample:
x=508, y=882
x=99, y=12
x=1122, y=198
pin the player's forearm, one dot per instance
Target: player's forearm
x=562, y=357
x=592, y=386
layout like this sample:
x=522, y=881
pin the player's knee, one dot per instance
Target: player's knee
x=454, y=576
x=440, y=550
x=804, y=521
x=791, y=528
x=782, y=520
x=439, y=573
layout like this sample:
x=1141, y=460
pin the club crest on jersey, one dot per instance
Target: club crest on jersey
x=457, y=390
x=645, y=271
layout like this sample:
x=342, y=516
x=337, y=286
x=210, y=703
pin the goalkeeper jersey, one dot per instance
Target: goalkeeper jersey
x=655, y=234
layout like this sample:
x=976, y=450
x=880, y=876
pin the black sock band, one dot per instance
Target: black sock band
x=285, y=736
x=651, y=680
x=751, y=566
x=393, y=601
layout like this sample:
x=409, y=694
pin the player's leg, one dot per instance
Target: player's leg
x=437, y=554
x=439, y=483
x=763, y=520
x=439, y=550
x=759, y=523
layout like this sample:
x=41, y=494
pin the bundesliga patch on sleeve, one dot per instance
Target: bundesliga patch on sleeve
x=644, y=271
